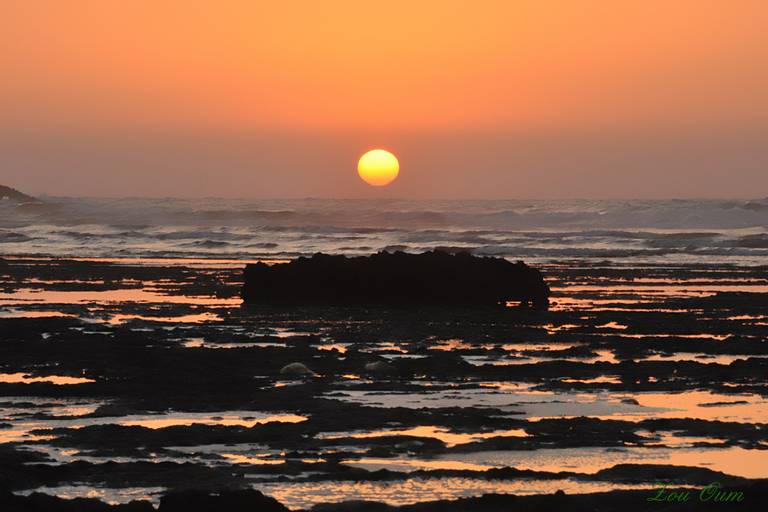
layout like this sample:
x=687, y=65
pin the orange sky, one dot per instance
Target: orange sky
x=442, y=83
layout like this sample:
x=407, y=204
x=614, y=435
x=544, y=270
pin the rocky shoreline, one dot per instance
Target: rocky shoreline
x=152, y=377
x=668, y=499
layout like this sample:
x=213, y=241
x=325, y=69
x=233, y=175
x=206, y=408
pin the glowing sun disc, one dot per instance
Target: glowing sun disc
x=378, y=167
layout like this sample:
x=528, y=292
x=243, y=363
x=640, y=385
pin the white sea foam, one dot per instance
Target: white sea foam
x=683, y=230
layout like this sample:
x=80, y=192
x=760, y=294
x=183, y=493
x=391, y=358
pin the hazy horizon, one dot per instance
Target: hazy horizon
x=395, y=198
x=496, y=100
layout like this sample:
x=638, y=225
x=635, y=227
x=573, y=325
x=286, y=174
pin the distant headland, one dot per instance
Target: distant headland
x=13, y=195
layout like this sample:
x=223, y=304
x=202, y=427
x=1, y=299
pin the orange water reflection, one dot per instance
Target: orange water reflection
x=186, y=419
x=684, y=288
x=21, y=426
x=190, y=319
x=612, y=325
x=731, y=460
x=341, y=347
x=701, y=357
x=403, y=492
x=193, y=262
x=111, y=496
x=403, y=464
x=25, y=378
x=201, y=343
x=16, y=313
x=239, y=458
x=603, y=379
x=703, y=405
x=701, y=335
x=141, y=295
x=431, y=431
x=552, y=328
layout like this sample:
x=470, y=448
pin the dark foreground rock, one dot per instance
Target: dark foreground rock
x=674, y=500
x=746, y=497
x=431, y=278
x=230, y=501
x=39, y=502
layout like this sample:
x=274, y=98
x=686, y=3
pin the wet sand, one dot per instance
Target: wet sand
x=126, y=380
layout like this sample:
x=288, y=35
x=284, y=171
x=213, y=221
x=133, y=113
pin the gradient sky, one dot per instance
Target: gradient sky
x=516, y=98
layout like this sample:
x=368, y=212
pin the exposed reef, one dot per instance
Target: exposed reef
x=430, y=278
x=150, y=382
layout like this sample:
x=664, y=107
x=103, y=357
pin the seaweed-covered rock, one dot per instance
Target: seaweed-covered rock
x=430, y=278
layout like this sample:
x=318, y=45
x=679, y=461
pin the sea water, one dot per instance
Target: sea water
x=668, y=231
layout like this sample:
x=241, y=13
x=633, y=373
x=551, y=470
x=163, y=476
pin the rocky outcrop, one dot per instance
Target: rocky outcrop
x=431, y=278
x=296, y=369
x=225, y=501
x=14, y=196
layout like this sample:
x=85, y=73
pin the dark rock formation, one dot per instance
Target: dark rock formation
x=431, y=278
x=229, y=501
x=14, y=196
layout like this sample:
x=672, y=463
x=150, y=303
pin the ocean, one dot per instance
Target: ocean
x=647, y=231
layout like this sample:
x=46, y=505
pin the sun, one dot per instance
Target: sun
x=378, y=167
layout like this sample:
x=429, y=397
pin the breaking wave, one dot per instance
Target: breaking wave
x=533, y=230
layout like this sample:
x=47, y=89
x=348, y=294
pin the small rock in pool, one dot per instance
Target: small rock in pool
x=296, y=369
x=380, y=368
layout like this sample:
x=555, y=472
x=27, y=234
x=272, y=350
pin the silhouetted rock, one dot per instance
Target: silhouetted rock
x=354, y=506
x=299, y=369
x=380, y=368
x=225, y=501
x=431, y=278
x=14, y=196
